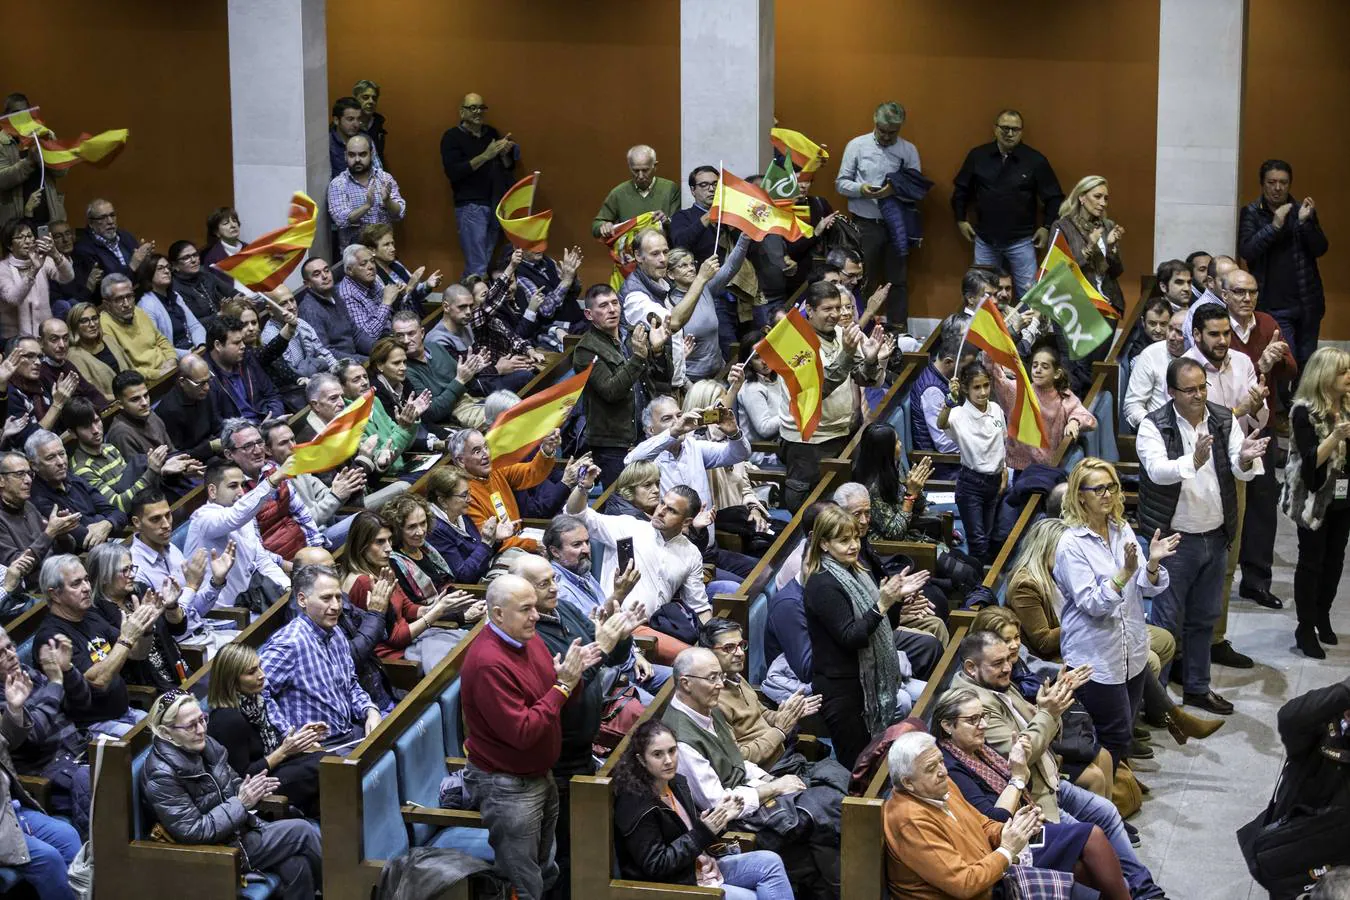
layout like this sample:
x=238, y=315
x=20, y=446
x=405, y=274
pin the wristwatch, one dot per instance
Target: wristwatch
x=1017, y=783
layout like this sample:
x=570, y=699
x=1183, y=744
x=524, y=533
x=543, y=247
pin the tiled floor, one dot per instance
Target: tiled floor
x=1204, y=791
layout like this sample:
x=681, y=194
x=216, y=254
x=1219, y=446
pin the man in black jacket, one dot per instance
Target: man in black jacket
x=192, y=420
x=55, y=485
x=107, y=247
x=478, y=163
x=239, y=386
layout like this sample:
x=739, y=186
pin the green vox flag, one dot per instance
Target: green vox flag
x=780, y=180
x=1060, y=296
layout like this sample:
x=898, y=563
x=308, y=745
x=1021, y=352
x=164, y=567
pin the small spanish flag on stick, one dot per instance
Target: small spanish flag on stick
x=265, y=263
x=98, y=149
x=792, y=349
x=743, y=205
x=989, y=332
x=518, y=430
x=1059, y=252
x=525, y=229
x=336, y=443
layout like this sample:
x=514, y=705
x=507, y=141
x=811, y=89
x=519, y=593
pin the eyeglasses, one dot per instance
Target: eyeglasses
x=87, y=320
x=20, y=473
x=731, y=646
x=978, y=719
x=1010, y=129
x=1193, y=391
x=195, y=383
x=106, y=217
x=474, y=107
x=715, y=678
x=197, y=725
x=1102, y=491
x=189, y=257
x=705, y=184
x=251, y=445
x=129, y=570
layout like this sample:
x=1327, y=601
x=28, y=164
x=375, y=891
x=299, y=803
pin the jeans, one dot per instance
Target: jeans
x=1021, y=257
x=336, y=534
x=1079, y=805
x=1113, y=708
x=289, y=849
x=521, y=815
x=977, y=500
x=883, y=263
x=52, y=844
x=757, y=875
x=1321, y=557
x=119, y=726
x=1257, y=545
x=727, y=323
x=1190, y=606
x=478, y=234
x=1300, y=332
x=610, y=462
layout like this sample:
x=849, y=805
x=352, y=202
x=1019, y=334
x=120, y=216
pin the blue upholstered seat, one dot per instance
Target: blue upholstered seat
x=452, y=724
x=383, y=834
x=420, y=754
x=25, y=651
x=759, y=614
x=9, y=879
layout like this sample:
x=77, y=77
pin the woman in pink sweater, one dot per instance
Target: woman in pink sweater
x=1065, y=416
x=23, y=278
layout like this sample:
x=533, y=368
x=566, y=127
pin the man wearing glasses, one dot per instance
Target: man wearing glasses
x=107, y=247
x=478, y=161
x=1003, y=180
x=1192, y=454
x=691, y=227
x=21, y=525
x=192, y=420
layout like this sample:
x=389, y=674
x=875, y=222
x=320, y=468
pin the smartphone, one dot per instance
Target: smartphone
x=712, y=415
x=499, y=507
x=625, y=553
x=43, y=231
x=1038, y=841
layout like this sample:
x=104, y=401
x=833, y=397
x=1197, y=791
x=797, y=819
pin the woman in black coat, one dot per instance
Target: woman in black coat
x=855, y=667
x=239, y=722
x=661, y=836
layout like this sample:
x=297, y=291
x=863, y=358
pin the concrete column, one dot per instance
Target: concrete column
x=1200, y=53
x=279, y=109
x=726, y=86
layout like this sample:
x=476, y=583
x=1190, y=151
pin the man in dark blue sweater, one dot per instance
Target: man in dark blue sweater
x=478, y=163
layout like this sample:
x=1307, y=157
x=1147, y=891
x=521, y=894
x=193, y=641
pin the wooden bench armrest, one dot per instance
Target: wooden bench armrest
x=402, y=673
x=764, y=447
x=478, y=590
x=210, y=857
x=442, y=818
x=39, y=788
x=541, y=524
x=455, y=763
x=728, y=541
x=953, y=459
x=767, y=476
x=274, y=806
x=646, y=643
x=924, y=555
x=236, y=614
x=745, y=839
x=193, y=657
x=141, y=696
x=620, y=889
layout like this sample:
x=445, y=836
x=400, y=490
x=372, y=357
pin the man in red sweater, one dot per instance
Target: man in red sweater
x=513, y=693
x=1257, y=335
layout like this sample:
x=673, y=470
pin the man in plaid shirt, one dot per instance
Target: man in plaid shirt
x=362, y=195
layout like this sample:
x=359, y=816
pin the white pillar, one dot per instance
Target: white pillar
x=1200, y=52
x=279, y=109
x=726, y=86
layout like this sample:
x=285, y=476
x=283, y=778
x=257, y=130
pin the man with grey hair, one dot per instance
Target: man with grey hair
x=867, y=160
x=285, y=522
x=325, y=311
x=22, y=527
x=497, y=403
x=363, y=194
x=1334, y=885
x=105, y=246
x=433, y=369
x=369, y=305
x=146, y=349
x=643, y=295
x=55, y=485
x=644, y=192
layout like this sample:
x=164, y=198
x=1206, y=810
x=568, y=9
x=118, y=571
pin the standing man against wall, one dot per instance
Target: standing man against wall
x=1003, y=180
x=477, y=161
x=868, y=159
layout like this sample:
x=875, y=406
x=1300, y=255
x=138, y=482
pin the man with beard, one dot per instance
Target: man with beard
x=363, y=194
x=239, y=386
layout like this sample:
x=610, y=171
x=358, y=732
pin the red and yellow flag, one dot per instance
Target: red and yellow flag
x=336, y=443
x=743, y=205
x=99, y=149
x=518, y=430
x=526, y=230
x=792, y=349
x=620, y=244
x=1060, y=252
x=807, y=156
x=989, y=332
x=265, y=263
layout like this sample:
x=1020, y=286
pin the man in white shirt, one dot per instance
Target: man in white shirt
x=866, y=162
x=1189, y=485
x=1219, y=266
x=1147, y=390
x=229, y=515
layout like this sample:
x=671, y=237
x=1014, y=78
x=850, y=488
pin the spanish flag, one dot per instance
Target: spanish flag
x=1060, y=252
x=807, y=156
x=989, y=332
x=792, y=349
x=743, y=205
x=265, y=263
x=98, y=149
x=526, y=230
x=518, y=430
x=336, y=443
x=620, y=244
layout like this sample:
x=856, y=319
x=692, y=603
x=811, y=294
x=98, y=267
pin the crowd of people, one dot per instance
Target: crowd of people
x=154, y=404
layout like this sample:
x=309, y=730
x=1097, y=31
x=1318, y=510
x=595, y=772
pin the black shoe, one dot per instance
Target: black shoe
x=1223, y=654
x=1141, y=733
x=1262, y=598
x=1210, y=702
x=1140, y=750
x=1306, y=639
x=1326, y=635
x=1132, y=833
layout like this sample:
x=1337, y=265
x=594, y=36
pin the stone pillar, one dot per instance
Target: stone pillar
x=1200, y=58
x=279, y=110
x=726, y=86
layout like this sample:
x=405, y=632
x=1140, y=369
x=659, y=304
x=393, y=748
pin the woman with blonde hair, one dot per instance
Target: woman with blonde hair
x=1314, y=493
x=854, y=664
x=637, y=490
x=1093, y=239
x=96, y=356
x=694, y=293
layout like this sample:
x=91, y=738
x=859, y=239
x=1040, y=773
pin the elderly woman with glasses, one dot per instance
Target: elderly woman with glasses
x=199, y=799
x=32, y=262
x=468, y=549
x=154, y=660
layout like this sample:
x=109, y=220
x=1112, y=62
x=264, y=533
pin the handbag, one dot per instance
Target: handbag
x=619, y=715
x=1287, y=856
x=1126, y=795
x=80, y=872
x=260, y=594
x=675, y=619
x=1077, y=741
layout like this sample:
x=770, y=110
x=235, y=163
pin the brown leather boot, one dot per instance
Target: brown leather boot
x=1182, y=725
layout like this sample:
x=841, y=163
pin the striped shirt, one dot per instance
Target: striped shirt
x=111, y=475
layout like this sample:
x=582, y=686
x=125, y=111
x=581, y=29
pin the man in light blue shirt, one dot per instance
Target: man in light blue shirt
x=867, y=160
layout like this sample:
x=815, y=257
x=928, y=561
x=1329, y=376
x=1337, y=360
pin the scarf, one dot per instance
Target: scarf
x=878, y=666
x=251, y=705
x=986, y=764
x=173, y=308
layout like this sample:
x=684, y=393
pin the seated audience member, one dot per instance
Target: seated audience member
x=1174, y=283
x=38, y=847
x=385, y=437
x=558, y=281
x=1151, y=329
x=230, y=515
x=155, y=659
x=764, y=737
x=105, y=246
x=239, y=386
x=54, y=485
x=856, y=670
x=422, y=633
x=986, y=667
x=222, y=235
x=419, y=569
x=1066, y=419
x=166, y=307
x=939, y=846
x=637, y=491
x=492, y=488
x=467, y=548
x=310, y=673
x=95, y=355
x=325, y=311
x=928, y=396
x=54, y=336
x=467, y=329
x=137, y=429
x=218, y=808
x=322, y=501
x=662, y=835
x=363, y=193
x=27, y=397
x=1147, y=390
x=306, y=354
x=760, y=404
x=32, y=262
x=369, y=304
x=387, y=372
x=204, y=289
x=629, y=366
x=252, y=744
x=145, y=348
x=192, y=421
x=514, y=694
x=271, y=356
x=101, y=649
x=284, y=520
x=432, y=368
x=54, y=746
x=22, y=527
x=994, y=786
x=379, y=239
x=65, y=294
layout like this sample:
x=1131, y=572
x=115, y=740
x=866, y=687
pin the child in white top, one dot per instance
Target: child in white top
x=979, y=430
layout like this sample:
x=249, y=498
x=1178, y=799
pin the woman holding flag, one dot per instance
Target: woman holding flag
x=1093, y=239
